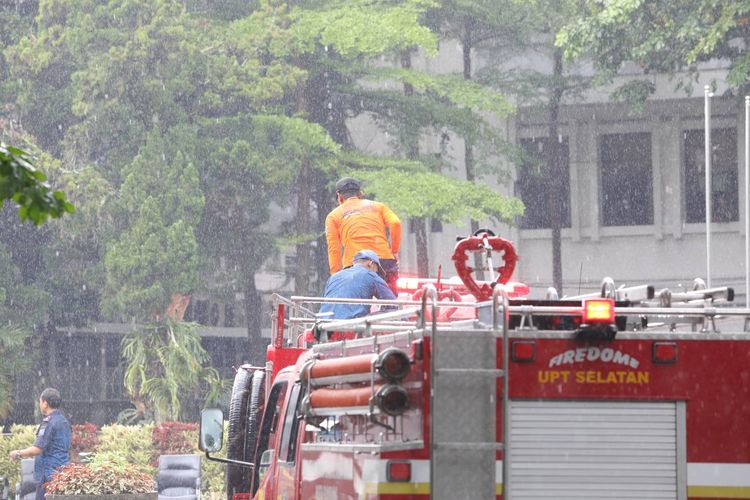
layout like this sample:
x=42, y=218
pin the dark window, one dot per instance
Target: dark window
x=113, y=353
x=213, y=318
x=200, y=312
x=627, y=198
x=535, y=185
x=270, y=423
x=724, y=202
x=229, y=315
x=289, y=436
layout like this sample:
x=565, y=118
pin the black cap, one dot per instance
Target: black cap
x=348, y=184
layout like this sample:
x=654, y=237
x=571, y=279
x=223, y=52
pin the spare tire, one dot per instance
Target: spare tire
x=245, y=410
x=255, y=407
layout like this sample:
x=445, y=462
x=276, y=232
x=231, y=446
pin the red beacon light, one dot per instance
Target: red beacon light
x=599, y=311
x=598, y=320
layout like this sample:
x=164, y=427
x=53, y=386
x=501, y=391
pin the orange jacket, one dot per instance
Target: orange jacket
x=359, y=224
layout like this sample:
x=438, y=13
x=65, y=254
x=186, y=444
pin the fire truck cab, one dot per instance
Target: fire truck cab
x=627, y=393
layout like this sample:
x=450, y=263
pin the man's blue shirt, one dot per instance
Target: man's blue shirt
x=355, y=282
x=53, y=437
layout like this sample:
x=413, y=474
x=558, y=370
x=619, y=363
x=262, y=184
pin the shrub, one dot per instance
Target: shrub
x=100, y=479
x=131, y=443
x=22, y=436
x=175, y=438
x=84, y=439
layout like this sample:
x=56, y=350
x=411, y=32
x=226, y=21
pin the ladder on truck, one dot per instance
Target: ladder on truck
x=465, y=370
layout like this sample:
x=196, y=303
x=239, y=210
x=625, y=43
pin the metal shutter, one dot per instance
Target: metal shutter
x=597, y=449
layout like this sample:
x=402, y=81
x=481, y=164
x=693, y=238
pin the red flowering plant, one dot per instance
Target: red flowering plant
x=175, y=438
x=99, y=479
x=84, y=439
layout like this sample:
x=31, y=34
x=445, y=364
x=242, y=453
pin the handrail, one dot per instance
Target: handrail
x=429, y=289
x=298, y=317
x=348, y=324
x=384, y=302
x=497, y=292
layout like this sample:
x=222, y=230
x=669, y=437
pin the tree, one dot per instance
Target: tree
x=27, y=187
x=662, y=37
x=446, y=201
x=476, y=24
x=165, y=362
x=22, y=307
x=545, y=90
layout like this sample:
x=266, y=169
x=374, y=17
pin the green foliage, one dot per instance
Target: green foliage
x=363, y=28
x=662, y=36
x=426, y=194
x=26, y=186
x=122, y=448
x=22, y=307
x=13, y=360
x=21, y=437
x=130, y=443
x=164, y=362
x=454, y=89
x=157, y=256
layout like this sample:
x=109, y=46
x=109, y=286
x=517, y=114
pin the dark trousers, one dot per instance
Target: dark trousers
x=40, y=491
x=390, y=266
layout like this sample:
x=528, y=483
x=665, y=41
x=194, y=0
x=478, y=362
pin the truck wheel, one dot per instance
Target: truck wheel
x=237, y=476
x=255, y=406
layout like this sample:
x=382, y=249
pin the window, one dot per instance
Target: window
x=724, y=202
x=289, y=435
x=534, y=185
x=627, y=197
x=269, y=425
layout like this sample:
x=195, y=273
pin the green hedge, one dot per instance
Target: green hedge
x=125, y=445
x=22, y=436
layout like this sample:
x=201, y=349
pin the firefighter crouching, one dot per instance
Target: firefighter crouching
x=362, y=280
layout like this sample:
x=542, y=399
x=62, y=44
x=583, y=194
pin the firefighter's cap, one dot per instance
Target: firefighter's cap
x=370, y=255
x=348, y=184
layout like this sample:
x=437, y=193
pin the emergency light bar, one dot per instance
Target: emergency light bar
x=598, y=311
x=597, y=320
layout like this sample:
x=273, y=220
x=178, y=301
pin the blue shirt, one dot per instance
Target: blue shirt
x=53, y=437
x=355, y=282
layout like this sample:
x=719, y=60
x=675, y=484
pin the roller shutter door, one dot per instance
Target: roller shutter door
x=597, y=449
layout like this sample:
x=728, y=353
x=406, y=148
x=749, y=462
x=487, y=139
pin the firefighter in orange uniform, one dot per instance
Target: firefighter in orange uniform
x=359, y=224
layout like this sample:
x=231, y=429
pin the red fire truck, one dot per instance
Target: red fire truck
x=475, y=391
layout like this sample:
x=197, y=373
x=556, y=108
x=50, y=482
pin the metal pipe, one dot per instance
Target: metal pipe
x=500, y=291
x=707, y=111
x=321, y=300
x=346, y=324
x=747, y=201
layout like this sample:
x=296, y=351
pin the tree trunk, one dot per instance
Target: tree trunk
x=420, y=234
x=253, y=316
x=555, y=170
x=324, y=202
x=302, y=226
x=419, y=223
x=468, y=145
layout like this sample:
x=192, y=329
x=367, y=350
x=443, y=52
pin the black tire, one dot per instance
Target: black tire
x=245, y=414
x=255, y=408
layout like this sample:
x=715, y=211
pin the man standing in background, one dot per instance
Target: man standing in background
x=50, y=448
x=359, y=224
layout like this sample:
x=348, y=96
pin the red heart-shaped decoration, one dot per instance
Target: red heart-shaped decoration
x=479, y=243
